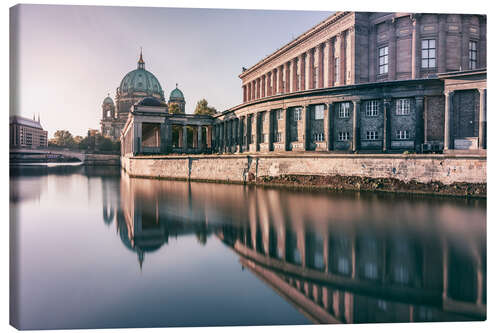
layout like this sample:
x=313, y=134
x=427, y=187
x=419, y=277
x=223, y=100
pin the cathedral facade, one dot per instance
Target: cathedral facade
x=135, y=85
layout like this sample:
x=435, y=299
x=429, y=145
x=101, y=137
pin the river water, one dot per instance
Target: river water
x=93, y=248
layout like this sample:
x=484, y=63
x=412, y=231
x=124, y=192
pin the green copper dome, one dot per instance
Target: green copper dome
x=140, y=80
x=176, y=93
x=108, y=100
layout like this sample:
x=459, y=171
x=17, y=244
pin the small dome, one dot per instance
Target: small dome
x=176, y=94
x=108, y=100
x=150, y=101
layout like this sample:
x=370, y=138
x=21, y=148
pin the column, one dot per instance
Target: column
x=330, y=61
x=342, y=58
x=419, y=123
x=209, y=137
x=392, y=50
x=310, y=66
x=163, y=138
x=275, y=80
x=285, y=135
x=448, y=114
x=355, y=125
x=302, y=71
x=184, y=138
x=248, y=131
x=199, y=130
x=137, y=138
x=373, y=55
x=328, y=130
x=305, y=126
x=465, y=42
x=441, y=49
x=482, y=118
x=321, y=61
x=294, y=75
x=387, y=125
x=415, y=47
x=268, y=84
x=280, y=79
x=287, y=77
x=169, y=136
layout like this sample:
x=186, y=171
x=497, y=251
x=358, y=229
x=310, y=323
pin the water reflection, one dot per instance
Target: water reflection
x=338, y=258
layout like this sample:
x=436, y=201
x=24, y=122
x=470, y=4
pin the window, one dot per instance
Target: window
x=297, y=114
x=344, y=110
x=372, y=108
x=278, y=137
x=343, y=136
x=319, y=112
x=371, y=135
x=403, y=107
x=337, y=69
x=318, y=137
x=402, y=135
x=383, y=60
x=279, y=114
x=428, y=53
x=472, y=55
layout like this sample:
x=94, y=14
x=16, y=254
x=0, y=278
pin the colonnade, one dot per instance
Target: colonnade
x=317, y=67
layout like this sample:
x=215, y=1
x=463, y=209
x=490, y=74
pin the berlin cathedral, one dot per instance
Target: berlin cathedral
x=135, y=85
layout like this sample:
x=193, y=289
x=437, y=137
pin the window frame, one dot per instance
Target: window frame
x=316, y=109
x=473, y=54
x=403, y=107
x=372, y=135
x=428, y=49
x=372, y=108
x=344, y=136
x=402, y=134
x=344, y=110
x=383, y=60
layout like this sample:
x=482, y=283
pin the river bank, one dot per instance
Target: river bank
x=423, y=174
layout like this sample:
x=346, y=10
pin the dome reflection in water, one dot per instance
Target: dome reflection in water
x=241, y=255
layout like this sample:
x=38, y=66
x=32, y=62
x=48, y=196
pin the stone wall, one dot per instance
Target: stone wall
x=446, y=169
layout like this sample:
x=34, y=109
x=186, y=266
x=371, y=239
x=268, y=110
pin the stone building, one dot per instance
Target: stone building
x=27, y=133
x=135, y=85
x=358, y=81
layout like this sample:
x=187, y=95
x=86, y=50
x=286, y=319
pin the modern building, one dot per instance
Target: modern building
x=27, y=133
x=359, y=81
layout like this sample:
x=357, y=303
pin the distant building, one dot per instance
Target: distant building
x=27, y=133
x=135, y=85
x=177, y=97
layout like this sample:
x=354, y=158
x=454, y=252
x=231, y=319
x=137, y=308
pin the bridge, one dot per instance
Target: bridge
x=56, y=154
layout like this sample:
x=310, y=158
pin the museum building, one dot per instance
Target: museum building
x=359, y=81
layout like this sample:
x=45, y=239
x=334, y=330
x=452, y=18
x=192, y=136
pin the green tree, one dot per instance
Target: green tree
x=174, y=109
x=203, y=108
x=63, y=138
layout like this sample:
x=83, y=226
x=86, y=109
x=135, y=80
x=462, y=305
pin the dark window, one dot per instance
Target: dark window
x=428, y=53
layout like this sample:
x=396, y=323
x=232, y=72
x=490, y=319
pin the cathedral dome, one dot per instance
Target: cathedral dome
x=108, y=100
x=140, y=80
x=150, y=101
x=176, y=94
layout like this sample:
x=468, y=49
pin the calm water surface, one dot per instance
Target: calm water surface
x=93, y=248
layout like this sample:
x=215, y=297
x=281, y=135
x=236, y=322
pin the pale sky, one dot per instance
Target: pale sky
x=71, y=57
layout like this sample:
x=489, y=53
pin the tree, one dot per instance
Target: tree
x=174, y=108
x=203, y=108
x=63, y=138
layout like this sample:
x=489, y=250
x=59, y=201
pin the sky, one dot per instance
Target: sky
x=70, y=57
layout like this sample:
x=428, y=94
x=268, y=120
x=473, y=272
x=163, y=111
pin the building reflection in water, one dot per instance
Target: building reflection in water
x=338, y=258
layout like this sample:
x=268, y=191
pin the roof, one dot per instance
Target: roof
x=176, y=93
x=25, y=122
